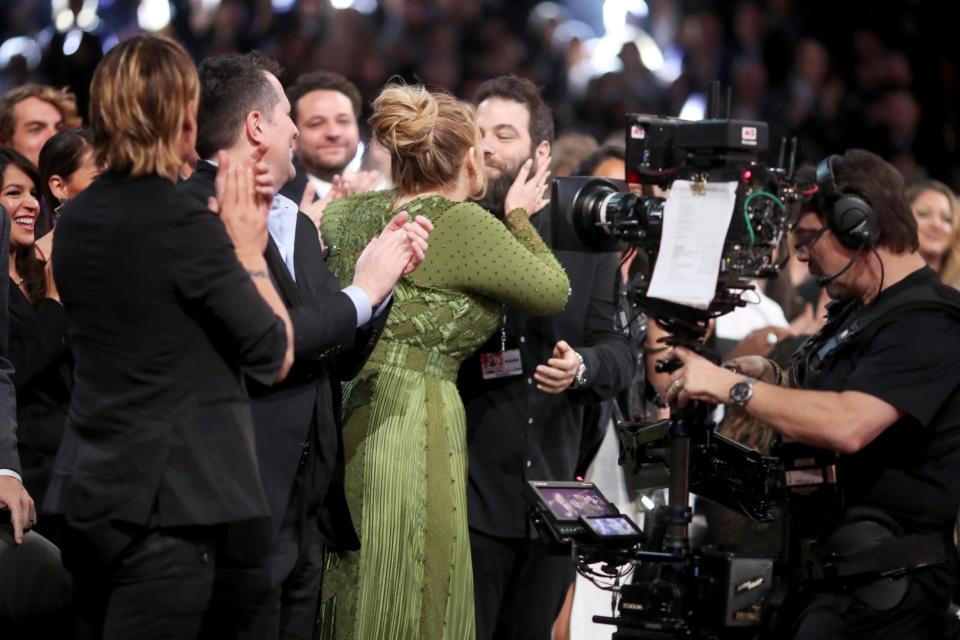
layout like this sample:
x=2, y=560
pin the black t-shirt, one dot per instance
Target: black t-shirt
x=911, y=363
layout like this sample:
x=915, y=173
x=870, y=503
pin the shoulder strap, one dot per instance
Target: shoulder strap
x=885, y=310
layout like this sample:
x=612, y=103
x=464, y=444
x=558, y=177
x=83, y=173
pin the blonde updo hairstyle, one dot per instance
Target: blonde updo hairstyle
x=427, y=134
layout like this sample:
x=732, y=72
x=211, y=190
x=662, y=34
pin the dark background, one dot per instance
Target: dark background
x=878, y=75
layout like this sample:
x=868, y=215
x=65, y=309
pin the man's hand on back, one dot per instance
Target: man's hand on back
x=396, y=252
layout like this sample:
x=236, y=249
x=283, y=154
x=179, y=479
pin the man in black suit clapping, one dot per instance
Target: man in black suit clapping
x=242, y=109
x=169, y=310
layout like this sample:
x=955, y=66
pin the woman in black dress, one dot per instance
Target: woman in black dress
x=38, y=330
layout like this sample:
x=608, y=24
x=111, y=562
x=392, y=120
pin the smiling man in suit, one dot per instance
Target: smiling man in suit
x=242, y=110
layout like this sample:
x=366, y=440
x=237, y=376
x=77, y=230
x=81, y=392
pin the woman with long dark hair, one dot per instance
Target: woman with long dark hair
x=67, y=167
x=38, y=329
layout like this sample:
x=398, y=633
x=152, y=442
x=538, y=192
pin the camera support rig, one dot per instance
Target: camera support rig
x=685, y=592
x=697, y=593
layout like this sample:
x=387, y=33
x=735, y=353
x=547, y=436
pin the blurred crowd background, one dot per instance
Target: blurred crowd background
x=879, y=75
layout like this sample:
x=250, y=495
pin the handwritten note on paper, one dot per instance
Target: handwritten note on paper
x=694, y=228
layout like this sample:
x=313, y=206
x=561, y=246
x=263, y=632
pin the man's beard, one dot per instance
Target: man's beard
x=497, y=188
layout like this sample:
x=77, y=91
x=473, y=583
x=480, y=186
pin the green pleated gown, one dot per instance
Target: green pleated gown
x=404, y=426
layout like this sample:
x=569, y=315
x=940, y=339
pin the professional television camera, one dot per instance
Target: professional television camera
x=599, y=214
x=668, y=597
x=730, y=591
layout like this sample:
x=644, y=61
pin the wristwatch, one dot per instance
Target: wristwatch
x=741, y=392
x=581, y=378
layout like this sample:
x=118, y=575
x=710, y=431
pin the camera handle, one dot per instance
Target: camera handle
x=683, y=425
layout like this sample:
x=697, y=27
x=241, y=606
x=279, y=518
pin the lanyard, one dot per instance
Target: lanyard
x=503, y=329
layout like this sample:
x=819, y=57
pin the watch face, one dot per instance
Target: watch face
x=741, y=392
x=579, y=379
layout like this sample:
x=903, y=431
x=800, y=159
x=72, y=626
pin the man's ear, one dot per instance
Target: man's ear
x=188, y=131
x=189, y=127
x=469, y=161
x=57, y=187
x=541, y=153
x=253, y=128
x=473, y=164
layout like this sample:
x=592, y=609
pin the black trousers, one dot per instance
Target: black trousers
x=165, y=584
x=518, y=587
x=296, y=575
x=295, y=561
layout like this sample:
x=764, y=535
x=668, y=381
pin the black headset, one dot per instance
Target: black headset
x=849, y=216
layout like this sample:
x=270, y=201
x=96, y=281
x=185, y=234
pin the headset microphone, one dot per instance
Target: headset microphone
x=849, y=216
x=824, y=280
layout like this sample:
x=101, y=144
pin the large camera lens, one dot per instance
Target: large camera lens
x=634, y=218
x=600, y=214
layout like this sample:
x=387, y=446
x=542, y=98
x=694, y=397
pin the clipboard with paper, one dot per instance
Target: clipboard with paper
x=696, y=218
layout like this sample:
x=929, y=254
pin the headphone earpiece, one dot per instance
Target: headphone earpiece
x=849, y=216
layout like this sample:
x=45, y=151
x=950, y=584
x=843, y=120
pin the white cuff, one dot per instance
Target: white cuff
x=361, y=302
x=12, y=474
x=383, y=305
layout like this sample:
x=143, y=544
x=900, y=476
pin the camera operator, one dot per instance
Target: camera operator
x=878, y=386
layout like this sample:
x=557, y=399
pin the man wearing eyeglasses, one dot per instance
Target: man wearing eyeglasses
x=879, y=385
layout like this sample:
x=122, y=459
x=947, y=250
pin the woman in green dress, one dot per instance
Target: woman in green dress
x=404, y=427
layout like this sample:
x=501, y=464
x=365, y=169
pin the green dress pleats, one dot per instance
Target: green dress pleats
x=404, y=427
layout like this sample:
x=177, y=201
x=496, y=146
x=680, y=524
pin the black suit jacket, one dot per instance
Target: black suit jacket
x=164, y=323
x=328, y=348
x=516, y=433
x=294, y=188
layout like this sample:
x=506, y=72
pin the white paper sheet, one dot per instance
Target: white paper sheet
x=694, y=228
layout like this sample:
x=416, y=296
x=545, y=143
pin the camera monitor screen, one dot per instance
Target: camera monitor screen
x=568, y=503
x=618, y=527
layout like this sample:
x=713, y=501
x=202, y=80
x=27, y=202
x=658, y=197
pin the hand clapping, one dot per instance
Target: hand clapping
x=243, y=200
x=396, y=252
x=314, y=208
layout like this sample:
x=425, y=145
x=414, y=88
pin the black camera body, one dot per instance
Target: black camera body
x=599, y=214
x=660, y=149
x=731, y=591
x=722, y=470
